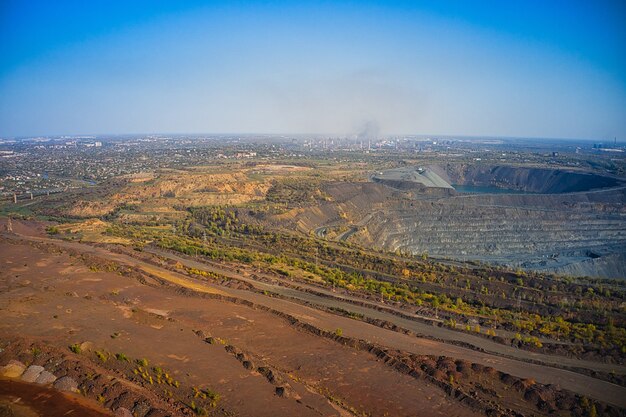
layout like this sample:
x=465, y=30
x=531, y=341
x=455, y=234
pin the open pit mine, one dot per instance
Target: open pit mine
x=541, y=219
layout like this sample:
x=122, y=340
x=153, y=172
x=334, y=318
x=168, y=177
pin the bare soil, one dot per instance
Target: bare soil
x=56, y=299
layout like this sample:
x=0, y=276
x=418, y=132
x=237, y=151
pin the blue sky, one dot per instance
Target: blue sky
x=493, y=68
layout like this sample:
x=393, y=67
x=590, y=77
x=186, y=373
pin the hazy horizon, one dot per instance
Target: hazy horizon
x=192, y=135
x=514, y=70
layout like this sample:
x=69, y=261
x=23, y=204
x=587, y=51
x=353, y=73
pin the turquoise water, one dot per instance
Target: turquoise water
x=489, y=189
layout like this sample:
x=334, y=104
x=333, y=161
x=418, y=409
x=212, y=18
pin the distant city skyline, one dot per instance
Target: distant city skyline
x=496, y=69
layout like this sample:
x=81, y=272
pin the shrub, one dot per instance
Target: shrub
x=212, y=396
x=102, y=355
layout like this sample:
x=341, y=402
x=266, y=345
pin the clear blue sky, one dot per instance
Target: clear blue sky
x=498, y=68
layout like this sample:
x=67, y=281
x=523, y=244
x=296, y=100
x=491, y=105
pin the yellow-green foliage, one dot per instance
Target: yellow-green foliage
x=206, y=394
x=102, y=356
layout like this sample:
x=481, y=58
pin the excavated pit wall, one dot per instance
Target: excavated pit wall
x=570, y=222
x=535, y=238
x=576, y=233
x=528, y=179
